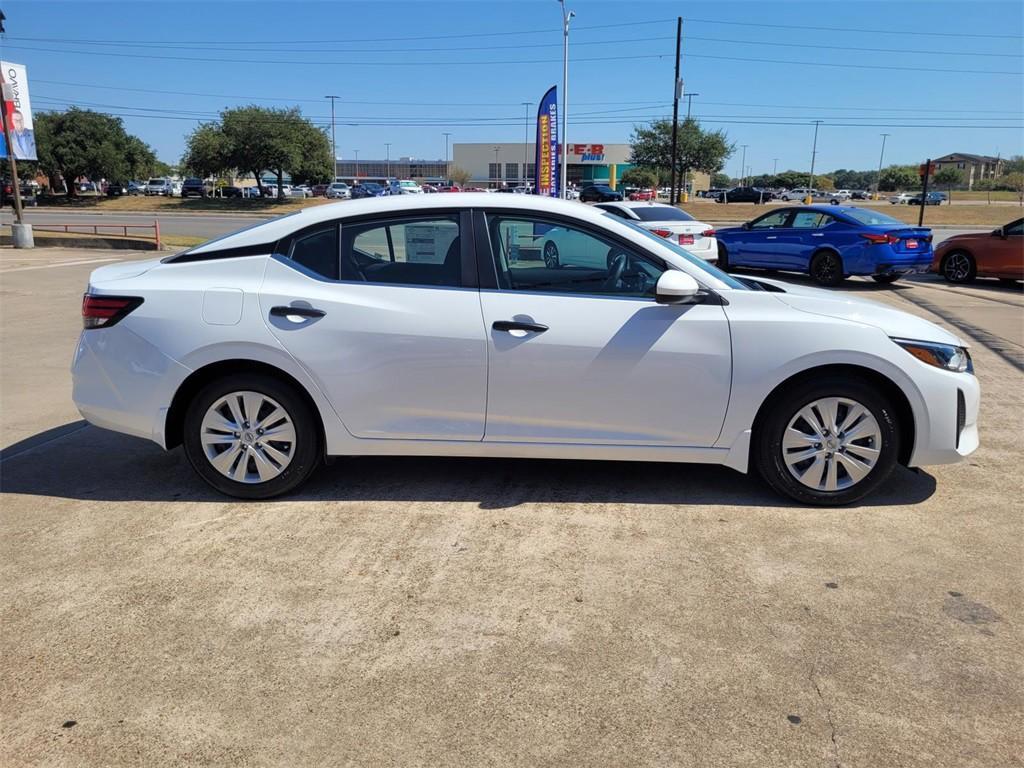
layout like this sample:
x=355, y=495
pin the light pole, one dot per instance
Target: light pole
x=356, y=153
x=775, y=166
x=878, y=179
x=566, y=16
x=814, y=153
x=686, y=167
x=447, y=170
x=497, y=168
x=334, y=143
x=743, y=166
x=387, y=158
x=526, y=141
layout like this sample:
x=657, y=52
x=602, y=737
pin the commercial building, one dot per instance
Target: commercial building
x=973, y=167
x=433, y=171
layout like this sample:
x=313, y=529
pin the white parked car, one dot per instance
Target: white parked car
x=430, y=325
x=901, y=198
x=160, y=187
x=842, y=194
x=302, y=190
x=409, y=187
x=669, y=222
x=339, y=191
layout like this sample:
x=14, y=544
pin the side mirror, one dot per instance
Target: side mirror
x=675, y=287
x=998, y=232
x=746, y=225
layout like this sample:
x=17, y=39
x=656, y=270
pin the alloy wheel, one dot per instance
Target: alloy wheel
x=248, y=437
x=550, y=255
x=831, y=444
x=958, y=267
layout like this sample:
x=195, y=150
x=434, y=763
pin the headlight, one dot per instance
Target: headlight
x=940, y=355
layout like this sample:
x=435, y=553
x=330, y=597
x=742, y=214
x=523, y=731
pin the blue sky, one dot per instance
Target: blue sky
x=407, y=72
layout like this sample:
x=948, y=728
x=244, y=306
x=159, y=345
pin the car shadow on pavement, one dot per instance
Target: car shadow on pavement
x=92, y=464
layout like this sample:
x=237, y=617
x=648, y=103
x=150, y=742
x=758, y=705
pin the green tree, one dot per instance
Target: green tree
x=696, y=149
x=642, y=178
x=80, y=142
x=206, y=151
x=898, y=177
x=720, y=180
x=824, y=182
x=1013, y=164
x=948, y=178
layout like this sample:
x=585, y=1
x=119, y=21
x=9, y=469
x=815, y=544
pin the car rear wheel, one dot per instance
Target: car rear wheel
x=885, y=279
x=827, y=268
x=827, y=441
x=251, y=436
x=959, y=267
x=550, y=255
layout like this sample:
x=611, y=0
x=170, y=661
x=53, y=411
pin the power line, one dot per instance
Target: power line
x=279, y=62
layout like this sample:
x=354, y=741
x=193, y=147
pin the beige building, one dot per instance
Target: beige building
x=974, y=167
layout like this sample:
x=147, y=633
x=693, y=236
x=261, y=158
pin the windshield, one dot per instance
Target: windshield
x=696, y=261
x=156, y=182
x=661, y=213
x=872, y=218
x=372, y=187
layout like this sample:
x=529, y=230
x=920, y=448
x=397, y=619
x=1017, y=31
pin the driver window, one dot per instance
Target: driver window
x=535, y=255
x=771, y=221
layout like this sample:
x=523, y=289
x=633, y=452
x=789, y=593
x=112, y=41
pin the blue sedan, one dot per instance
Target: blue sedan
x=828, y=243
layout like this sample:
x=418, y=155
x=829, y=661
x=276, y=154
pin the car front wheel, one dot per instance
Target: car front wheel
x=828, y=441
x=251, y=436
x=550, y=255
x=959, y=267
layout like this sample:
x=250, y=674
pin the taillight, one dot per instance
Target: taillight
x=686, y=239
x=878, y=239
x=661, y=232
x=105, y=311
x=708, y=233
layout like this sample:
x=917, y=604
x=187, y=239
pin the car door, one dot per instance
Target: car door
x=384, y=314
x=803, y=236
x=759, y=245
x=1008, y=252
x=584, y=354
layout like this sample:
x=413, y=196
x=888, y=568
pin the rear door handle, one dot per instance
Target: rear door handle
x=817, y=234
x=512, y=325
x=772, y=237
x=296, y=311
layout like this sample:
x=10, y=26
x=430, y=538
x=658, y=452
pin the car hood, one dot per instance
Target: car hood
x=892, y=322
x=121, y=271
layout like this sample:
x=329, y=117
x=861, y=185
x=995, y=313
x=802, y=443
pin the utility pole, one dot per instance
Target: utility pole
x=526, y=140
x=878, y=178
x=566, y=17
x=677, y=92
x=387, y=158
x=814, y=153
x=743, y=166
x=334, y=143
x=447, y=170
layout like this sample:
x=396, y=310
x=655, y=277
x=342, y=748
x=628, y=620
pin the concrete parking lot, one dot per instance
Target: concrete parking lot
x=498, y=612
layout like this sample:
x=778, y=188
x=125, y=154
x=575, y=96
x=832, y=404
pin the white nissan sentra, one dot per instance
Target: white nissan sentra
x=432, y=325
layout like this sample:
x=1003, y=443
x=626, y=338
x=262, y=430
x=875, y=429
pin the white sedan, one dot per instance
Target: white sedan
x=429, y=325
x=669, y=222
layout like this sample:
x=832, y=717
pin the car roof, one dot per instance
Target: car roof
x=275, y=229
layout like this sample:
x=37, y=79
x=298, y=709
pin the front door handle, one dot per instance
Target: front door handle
x=772, y=237
x=513, y=325
x=296, y=311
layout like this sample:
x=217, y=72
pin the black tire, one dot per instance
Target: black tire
x=767, y=453
x=1009, y=281
x=959, y=267
x=885, y=279
x=308, y=451
x=550, y=252
x=826, y=269
x=723, y=257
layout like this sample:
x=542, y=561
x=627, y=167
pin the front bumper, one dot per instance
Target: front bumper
x=951, y=433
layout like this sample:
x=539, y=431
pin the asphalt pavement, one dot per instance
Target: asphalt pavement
x=498, y=612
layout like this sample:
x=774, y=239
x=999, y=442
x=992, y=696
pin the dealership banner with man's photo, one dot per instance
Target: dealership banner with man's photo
x=547, y=144
x=19, y=112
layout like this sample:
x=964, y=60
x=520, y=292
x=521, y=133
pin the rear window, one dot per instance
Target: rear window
x=661, y=213
x=156, y=182
x=872, y=218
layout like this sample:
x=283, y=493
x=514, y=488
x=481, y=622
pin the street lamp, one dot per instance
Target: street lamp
x=497, y=168
x=878, y=179
x=526, y=141
x=743, y=166
x=566, y=16
x=334, y=143
x=356, y=153
x=447, y=171
x=387, y=158
x=814, y=153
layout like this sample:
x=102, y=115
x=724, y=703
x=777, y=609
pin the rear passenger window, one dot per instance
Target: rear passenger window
x=317, y=251
x=810, y=220
x=425, y=251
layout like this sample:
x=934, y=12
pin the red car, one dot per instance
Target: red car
x=999, y=253
x=452, y=188
x=320, y=190
x=642, y=194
